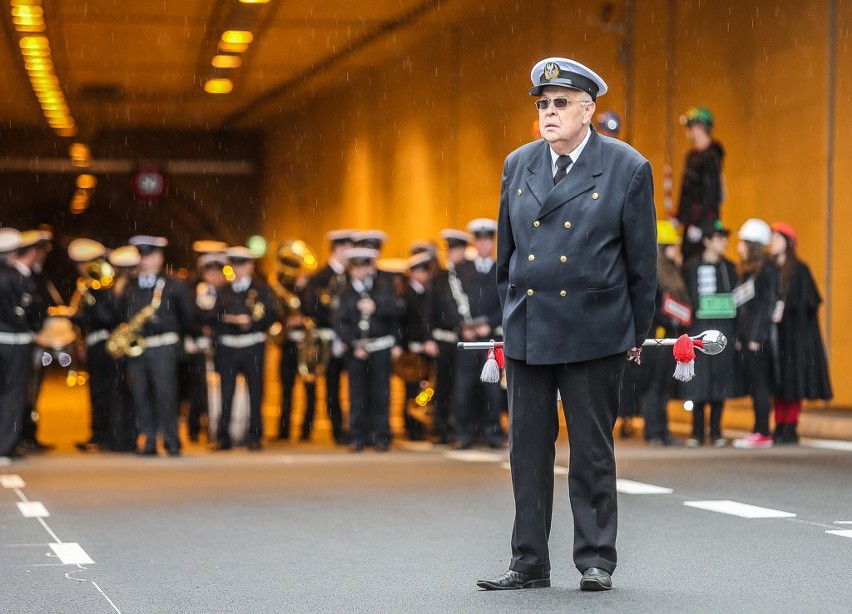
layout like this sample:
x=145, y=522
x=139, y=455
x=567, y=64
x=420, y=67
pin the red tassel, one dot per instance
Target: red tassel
x=500, y=358
x=684, y=355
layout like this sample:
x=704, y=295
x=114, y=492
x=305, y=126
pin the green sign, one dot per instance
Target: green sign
x=716, y=307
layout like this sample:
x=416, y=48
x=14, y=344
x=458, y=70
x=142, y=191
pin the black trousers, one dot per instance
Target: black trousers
x=196, y=392
x=715, y=420
x=590, y=392
x=443, y=397
x=478, y=405
x=15, y=365
x=113, y=415
x=154, y=385
x=288, y=369
x=250, y=362
x=332, y=398
x=757, y=372
x=369, y=397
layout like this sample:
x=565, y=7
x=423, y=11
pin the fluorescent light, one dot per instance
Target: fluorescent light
x=218, y=86
x=237, y=37
x=226, y=61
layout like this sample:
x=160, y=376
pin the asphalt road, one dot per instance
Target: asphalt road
x=314, y=529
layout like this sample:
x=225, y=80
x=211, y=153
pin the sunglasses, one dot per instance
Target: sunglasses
x=560, y=103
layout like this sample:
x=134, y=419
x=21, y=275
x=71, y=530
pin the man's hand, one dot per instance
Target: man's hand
x=635, y=355
x=431, y=348
x=360, y=353
x=366, y=306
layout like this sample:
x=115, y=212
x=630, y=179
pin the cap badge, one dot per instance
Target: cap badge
x=551, y=70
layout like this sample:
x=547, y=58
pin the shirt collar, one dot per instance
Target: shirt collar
x=575, y=155
x=336, y=266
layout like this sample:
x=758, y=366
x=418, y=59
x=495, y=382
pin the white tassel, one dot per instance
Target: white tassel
x=491, y=370
x=684, y=371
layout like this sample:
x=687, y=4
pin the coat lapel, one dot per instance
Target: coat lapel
x=539, y=177
x=580, y=179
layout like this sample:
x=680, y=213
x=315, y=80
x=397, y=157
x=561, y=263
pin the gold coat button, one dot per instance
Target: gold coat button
x=563, y=293
x=563, y=258
x=530, y=292
x=567, y=224
x=595, y=196
x=536, y=223
x=530, y=257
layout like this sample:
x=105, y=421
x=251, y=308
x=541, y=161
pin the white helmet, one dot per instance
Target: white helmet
x=755, y=230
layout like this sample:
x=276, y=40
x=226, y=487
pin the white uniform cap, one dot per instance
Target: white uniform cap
x=126, y=256
x=755, y=230
x=10, y=240
x=85, y=250
x=422, y=259
x=422, y=246
x=456, y=238
x=213, y=258
x=239, y=252
x=208, y=247
x=341, y=235
x=361, y=253
x=563, y=72
x=371, y=236
x=482, y=225
x=147, y=240
x=30, y=238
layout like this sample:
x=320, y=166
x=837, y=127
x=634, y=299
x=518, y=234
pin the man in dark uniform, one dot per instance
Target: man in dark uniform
x=576, y=269
x=481, y=320
x=245, y=309
x=20, y=315
x=319, y=297
x=366, y=320
x=157, y=306
x=96, y=315
x=445, y=326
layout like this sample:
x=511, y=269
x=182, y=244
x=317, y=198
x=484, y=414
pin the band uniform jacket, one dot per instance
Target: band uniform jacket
x=229, y=302
x=21, y=309
x=319, y=295
x=384, y=321
x=576, y=262
x=481, y=291
x=175, y=314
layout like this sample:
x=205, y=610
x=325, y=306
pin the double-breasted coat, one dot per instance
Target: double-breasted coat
x=576, y=263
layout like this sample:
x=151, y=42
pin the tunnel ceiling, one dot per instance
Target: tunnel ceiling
x=144, y=63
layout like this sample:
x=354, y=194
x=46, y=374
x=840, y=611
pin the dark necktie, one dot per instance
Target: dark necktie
x=562, y=164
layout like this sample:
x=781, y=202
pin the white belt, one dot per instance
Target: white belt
x=158, y=341
x=242, y=341
x=447, y=336
x=96, y=337
x=326, y=334
x=16, y=338
x=296, y=336
x=375, y=345
x=416, y=346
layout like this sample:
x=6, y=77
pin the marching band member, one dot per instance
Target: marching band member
x=319, y=296
x=366, y=320
x=156, y=310
x=244, y=311
x=481, y=321
x=20, y=315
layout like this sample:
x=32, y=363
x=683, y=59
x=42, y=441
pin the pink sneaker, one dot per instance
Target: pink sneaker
x=755, y=440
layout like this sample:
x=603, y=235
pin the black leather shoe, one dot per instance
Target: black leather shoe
x=512, y=580
x=147, y=452
x=595, y=579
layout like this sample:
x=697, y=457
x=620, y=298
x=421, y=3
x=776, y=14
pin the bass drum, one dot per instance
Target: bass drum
x=56, y=341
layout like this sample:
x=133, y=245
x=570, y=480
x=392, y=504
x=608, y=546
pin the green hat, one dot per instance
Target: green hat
x=697, y=115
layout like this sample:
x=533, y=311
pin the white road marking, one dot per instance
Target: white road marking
x=33, y=509
x=115, y=607
x=827, y=444
x=843, y=533
x=734, y=508
x=10, y=480
x=629, y=487
x=557, y=469
x=474, y=456
x=71, y=553
x=843, y=522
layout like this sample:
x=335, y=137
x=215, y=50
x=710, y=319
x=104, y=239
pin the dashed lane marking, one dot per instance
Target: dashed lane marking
x=842, y=533
x=843, y=522
x=10, y=480
x=828, y=444
x=33, y=509
x=474, y=456
x=734, y=508
x=629, y=487
x=70, y=553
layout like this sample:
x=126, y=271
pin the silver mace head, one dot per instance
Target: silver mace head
x=712, y=340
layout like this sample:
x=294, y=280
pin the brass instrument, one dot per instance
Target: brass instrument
x=126, y=339
x=99, y=275
x=257, y=308
x=313, y=351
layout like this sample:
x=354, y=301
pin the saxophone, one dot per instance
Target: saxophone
x=126, y=339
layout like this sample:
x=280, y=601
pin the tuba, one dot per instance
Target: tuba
x=99, y=275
